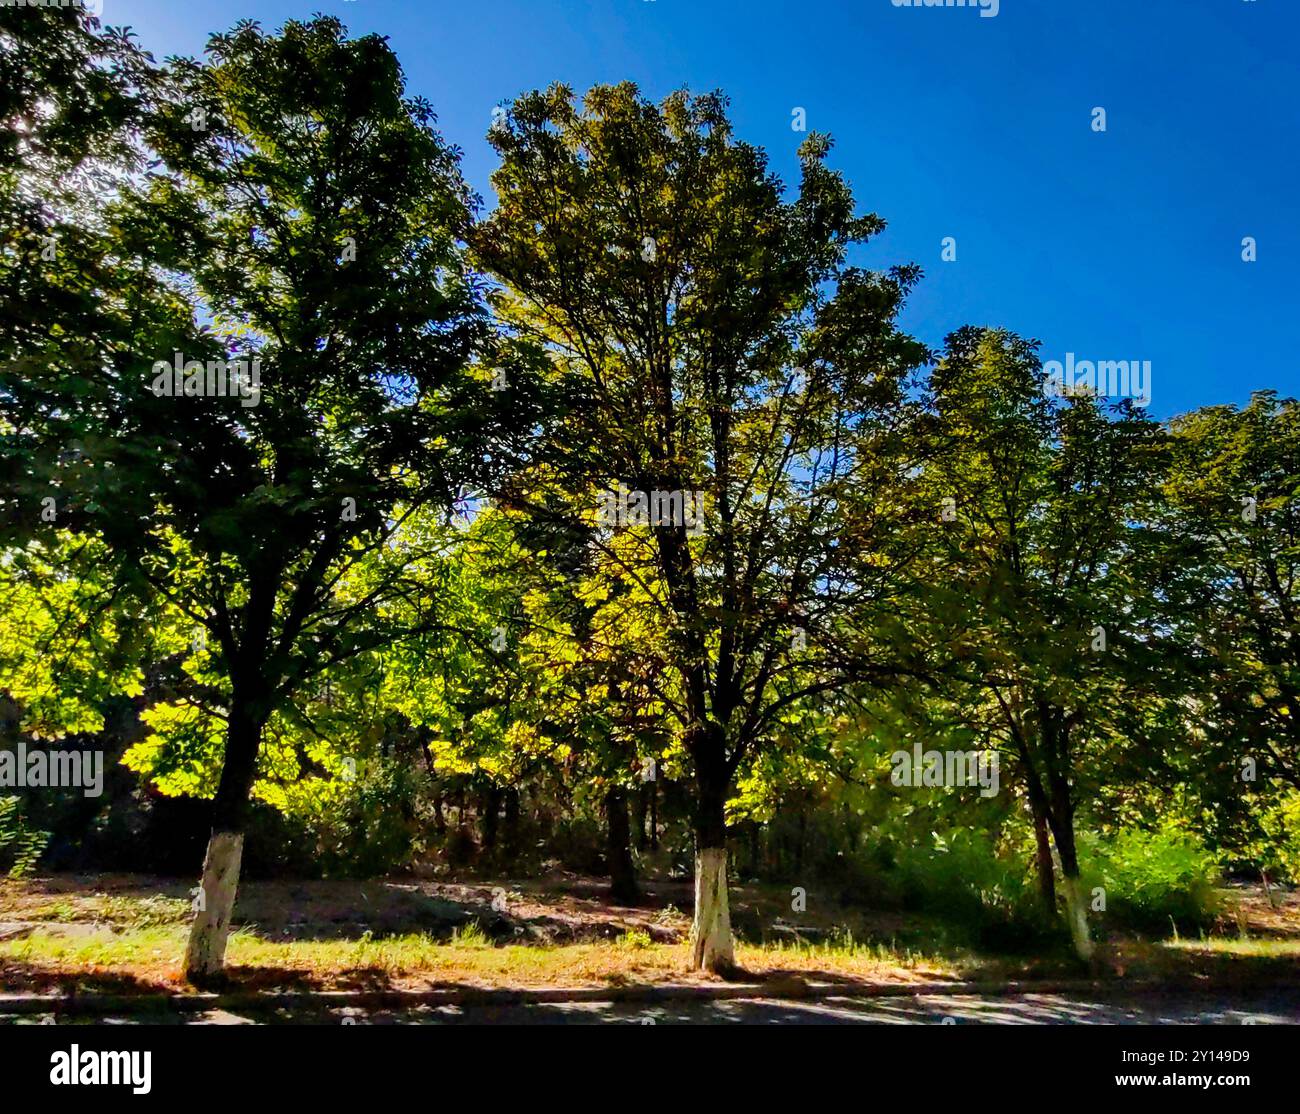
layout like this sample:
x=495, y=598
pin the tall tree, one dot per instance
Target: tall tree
x=1232, y=493
x=1038, y=610
x=730, y=381
x=307, y=219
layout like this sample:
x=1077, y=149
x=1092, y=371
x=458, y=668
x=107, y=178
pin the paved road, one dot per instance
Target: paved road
x=1263, y=1008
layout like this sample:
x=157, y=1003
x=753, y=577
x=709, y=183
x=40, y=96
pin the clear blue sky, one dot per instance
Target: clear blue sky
x=1123, y=245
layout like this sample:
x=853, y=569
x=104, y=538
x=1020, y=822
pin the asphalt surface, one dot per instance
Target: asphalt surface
x=1261, y=1008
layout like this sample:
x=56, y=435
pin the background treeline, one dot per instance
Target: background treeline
x=375, y=621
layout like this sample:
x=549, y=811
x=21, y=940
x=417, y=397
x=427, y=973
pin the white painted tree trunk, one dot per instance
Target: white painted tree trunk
x=711, y=944
x=1077, y=911
x=206, y=954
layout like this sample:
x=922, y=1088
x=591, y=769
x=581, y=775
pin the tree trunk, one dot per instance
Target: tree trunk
x=1043, y=861
x=712, y=947
x=511, y=823
x=205, y=955
x=654, y=816
x=1076, y=902
x=1077, y=910
x=622, y=874
x=639, y=810
x=491, y=808
x=439, y=821
x=1268, y=891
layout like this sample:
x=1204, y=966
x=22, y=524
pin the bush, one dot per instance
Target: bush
x=375, y=828
x=579, y=845
x=1153, y=880
x=987, y=893
x=20, y=844
x=1285, y=832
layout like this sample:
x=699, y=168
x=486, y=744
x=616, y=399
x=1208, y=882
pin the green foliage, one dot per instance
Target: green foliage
x=1231, y=503
x=975, y=884
x=313, y=222
x=67, y=642
x=707, y=336
x=1154, y=880
x=470, y=935
x=1283, y=826
x=72, y=98
x=20, y=845
x=371, y=826
x=394, y=585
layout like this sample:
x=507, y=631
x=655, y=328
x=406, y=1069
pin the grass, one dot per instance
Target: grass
x=132, y=912
x=128, y=933
x=151, y=955
x=1237, y=946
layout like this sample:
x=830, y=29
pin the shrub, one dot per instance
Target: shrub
x=20, y=844
x=1286, y=836
x=986, y=893
x=1153, y=880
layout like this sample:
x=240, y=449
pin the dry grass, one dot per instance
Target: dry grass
x=128, y=933
x=151, y=957
x=116, y=931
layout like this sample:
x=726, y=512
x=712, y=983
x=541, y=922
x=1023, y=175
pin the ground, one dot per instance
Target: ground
x=125, y=933
x=1256, y=1007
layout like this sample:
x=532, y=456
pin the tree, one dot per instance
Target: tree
x=1232, y=489
x=531, y=677
x=72, y=102
x=1039, y=613
x=730, y=380
x=305, y=221
x=1231, y=570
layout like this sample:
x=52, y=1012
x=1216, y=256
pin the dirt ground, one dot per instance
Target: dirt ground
x=126, y=932
x=558, y=909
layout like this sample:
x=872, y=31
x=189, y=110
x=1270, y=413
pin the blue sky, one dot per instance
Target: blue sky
x=1122, y=245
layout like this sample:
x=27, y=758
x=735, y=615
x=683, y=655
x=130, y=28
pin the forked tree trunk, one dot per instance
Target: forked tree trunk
x=205, y=955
